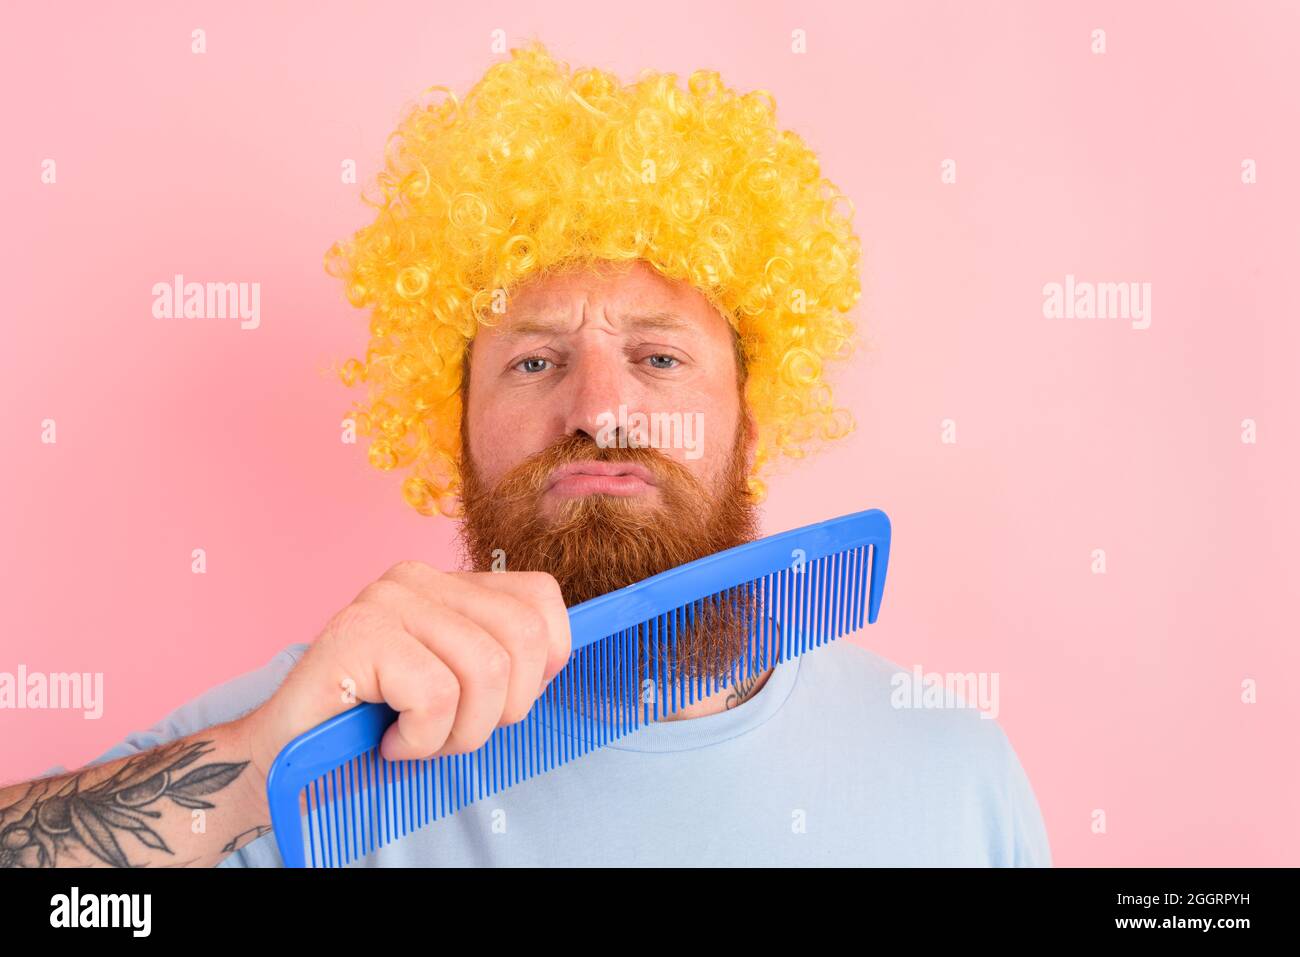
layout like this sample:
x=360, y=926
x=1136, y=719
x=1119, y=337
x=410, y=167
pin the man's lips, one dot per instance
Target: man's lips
x=604, y=478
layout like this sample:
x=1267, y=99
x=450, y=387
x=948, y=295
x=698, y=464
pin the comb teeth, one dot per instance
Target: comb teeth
x=357, y=801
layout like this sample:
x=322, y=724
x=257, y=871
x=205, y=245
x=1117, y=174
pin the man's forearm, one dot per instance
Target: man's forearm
x=188, y=803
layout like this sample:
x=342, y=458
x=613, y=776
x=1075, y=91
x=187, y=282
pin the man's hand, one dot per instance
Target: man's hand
x=456, y=654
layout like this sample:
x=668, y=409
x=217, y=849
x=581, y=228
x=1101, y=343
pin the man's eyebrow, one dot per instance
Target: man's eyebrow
x=543, y=325
x=535, y=325
x=657, y=320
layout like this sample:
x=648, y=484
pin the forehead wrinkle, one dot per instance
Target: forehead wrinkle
x=552, y=322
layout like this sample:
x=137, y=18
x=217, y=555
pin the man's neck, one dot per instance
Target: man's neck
x=723, y=699
x=736, y=694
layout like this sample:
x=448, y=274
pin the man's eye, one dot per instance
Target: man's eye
x=532, y=364
x=666, y=361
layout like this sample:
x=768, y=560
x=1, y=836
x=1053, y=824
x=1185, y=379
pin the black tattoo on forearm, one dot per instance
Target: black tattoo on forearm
x=58, y=815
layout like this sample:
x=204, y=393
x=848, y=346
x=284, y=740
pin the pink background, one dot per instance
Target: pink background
x=1119, y=691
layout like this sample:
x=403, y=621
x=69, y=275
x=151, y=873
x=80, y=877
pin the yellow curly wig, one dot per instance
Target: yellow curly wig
x=541, y=167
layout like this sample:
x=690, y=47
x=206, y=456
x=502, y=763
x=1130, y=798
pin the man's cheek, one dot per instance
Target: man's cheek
x=693, y=435
x=499, y=446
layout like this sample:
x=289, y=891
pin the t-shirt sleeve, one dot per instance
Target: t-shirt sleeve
x=222, y=703
x=1030, y=847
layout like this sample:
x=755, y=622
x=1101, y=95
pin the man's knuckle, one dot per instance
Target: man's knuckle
x=494, y=667
x=382, y=591
x=406, y=569
x=542, y=584
x=530, y=626
x=443, y=692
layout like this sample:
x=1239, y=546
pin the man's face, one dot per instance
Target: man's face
x=551, y=479
x=574, y=347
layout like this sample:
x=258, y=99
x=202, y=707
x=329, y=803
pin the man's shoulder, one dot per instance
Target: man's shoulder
x=934, y=734
x=848, y=663
x=865, y=687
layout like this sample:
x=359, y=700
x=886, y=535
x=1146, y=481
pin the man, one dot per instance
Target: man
x=529, y=292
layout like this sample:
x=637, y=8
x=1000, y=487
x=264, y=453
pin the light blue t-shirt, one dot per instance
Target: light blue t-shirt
x=817, y=768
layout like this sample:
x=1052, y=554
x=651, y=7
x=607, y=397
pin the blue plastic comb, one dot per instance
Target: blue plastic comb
x=794, y=592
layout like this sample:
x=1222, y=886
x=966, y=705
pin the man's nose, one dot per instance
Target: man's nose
x=597, y=387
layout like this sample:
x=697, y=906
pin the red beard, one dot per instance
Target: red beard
x=595, y=544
